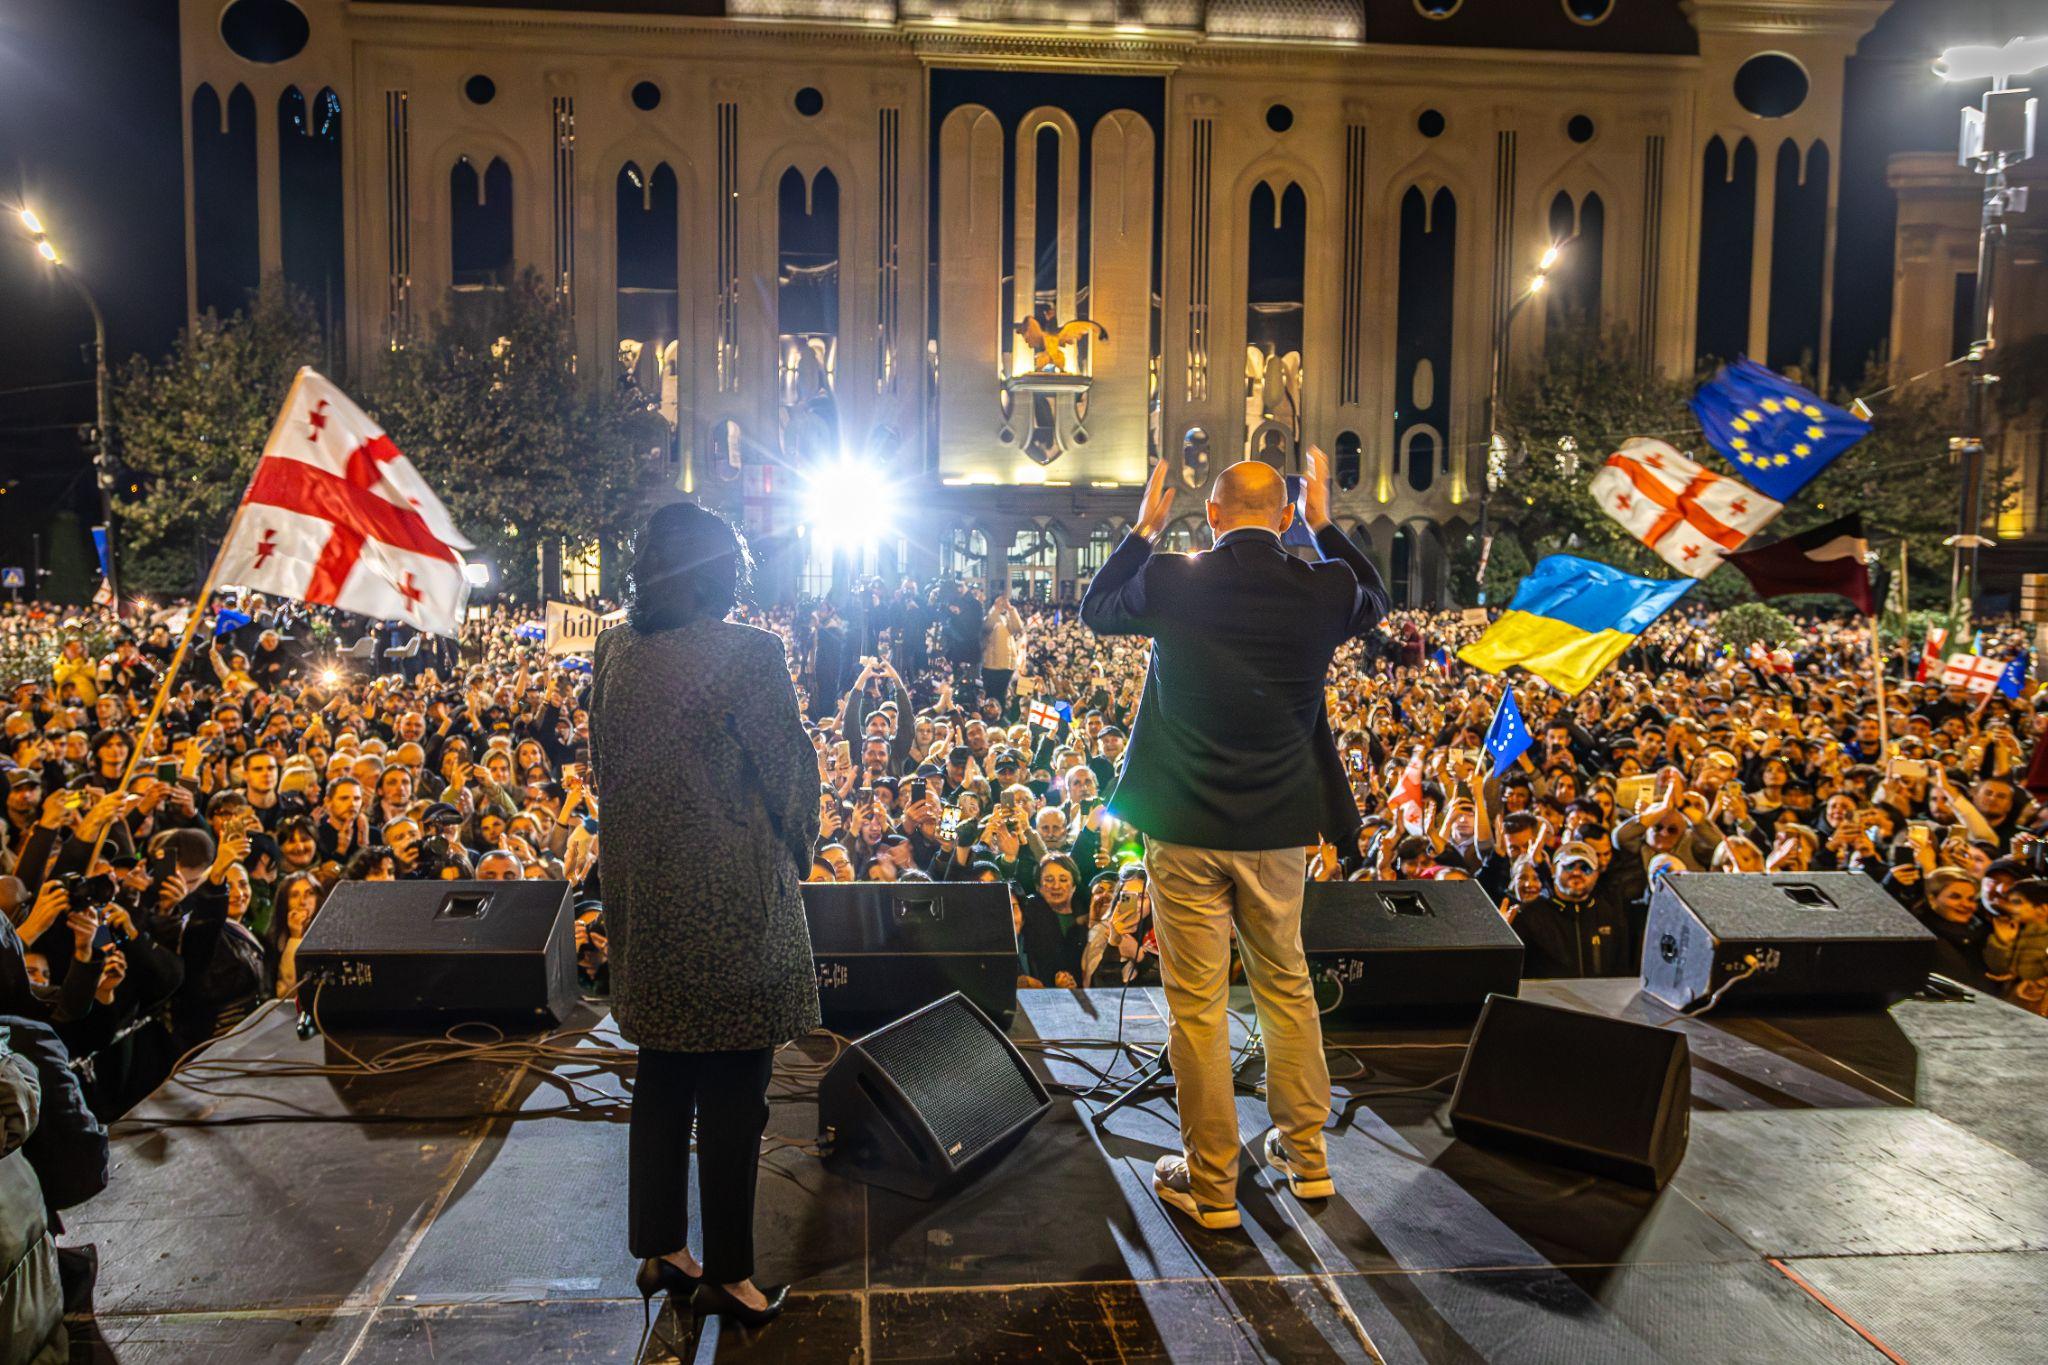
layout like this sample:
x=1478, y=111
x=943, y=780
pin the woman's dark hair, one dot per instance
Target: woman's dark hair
x=689, y=565
x=278, y=932
x=368, y=860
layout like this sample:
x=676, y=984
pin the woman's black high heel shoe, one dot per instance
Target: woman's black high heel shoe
x=715, y=1298
x=658, y=1273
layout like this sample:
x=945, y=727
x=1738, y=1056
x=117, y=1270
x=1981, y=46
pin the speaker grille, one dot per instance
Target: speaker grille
x=960, y=1078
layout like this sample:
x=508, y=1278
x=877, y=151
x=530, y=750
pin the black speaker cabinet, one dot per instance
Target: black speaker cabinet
x=1411, y=949
x=393, y=953
x=1576, y=1089
x=882, y=948
x=1829, y=935
x=925, y=1104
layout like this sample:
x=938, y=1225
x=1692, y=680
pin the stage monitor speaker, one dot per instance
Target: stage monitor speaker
x=923, y=1105
x=383, y=953
x=1823, y=935
x=882, y=948
x=1576, y=1089
x=1421, y=948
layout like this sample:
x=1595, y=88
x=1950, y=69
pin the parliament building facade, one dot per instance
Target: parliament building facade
x=1007, y=253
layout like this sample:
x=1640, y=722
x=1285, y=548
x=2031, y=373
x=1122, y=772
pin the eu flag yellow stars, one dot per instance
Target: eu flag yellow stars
x=1779, y=433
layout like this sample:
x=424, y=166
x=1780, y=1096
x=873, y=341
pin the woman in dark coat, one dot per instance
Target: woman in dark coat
x=710, y=792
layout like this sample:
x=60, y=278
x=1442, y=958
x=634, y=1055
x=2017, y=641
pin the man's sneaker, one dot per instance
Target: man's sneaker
x=1171, y=1182
x=1305, y=1183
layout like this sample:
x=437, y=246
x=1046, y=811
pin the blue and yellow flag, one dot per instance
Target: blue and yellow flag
x=1571, y=618
x=1778, y=433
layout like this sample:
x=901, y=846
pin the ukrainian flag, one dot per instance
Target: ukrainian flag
x=1571, y=618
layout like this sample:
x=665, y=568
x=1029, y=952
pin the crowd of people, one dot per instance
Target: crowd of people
x=959, y=736
x=968, y=737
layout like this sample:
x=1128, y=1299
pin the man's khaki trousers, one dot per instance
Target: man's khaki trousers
x=1198, y=894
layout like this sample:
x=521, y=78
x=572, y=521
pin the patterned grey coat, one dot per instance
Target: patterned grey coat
x=709, y=794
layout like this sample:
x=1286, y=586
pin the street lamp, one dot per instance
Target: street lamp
x=96, y=442
x=1995, y=137
x=1538, y=282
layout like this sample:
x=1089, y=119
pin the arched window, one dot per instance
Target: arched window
x=1422, y=331
x=1186, y=536
x=1798, y=254
x=309, y=201
x=807, y=313
x=480, y=225
x=1090, y=556
x=1573, y=300
x=1727, y=232
x=728, y=449
x=647, y=298
x=1275, y=271
x=1401, y=582
x=1421, y=452
x=1350, y=460
x=224, y=200
x=964, y=552
x=1034, y=566
x=1194, y=457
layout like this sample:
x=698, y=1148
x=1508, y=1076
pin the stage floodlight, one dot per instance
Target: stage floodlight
x=1986, y=62
x=848, y=502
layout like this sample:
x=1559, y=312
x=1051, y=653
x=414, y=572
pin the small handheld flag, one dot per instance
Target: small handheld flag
x=1508, y=738
x=1973, y=672
x=1930, y=653
x=2014, y=680
x=1779, y=434
x=1407, y=795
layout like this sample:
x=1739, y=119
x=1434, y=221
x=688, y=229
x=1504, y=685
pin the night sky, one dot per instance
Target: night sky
x=89, y=101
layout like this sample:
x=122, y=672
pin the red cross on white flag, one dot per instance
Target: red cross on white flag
x=335, y=515
x=1972, y=671
x=1688, y=514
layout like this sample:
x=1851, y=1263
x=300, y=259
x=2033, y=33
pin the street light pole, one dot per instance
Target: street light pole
x=103, y=466
x=1495, y=382
x=1995, y=137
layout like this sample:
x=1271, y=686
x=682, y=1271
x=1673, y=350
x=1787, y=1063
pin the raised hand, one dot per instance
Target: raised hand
x=1315, y=500
x=1158, y=502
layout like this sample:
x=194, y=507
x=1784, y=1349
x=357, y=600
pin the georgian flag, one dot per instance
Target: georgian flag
x=1688, y=514
x=1971, y=671
x=1930, y=653
x=335, y=515
x=1406, y=800
x=1043, y=714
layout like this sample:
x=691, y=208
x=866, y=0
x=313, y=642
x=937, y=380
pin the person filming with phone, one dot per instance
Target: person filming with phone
x=1231, y=774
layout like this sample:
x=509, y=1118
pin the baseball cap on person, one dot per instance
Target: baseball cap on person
x=23, y=777
x=440, y=813
x=959, y=753
x=1007, y=758
x=1578, y=851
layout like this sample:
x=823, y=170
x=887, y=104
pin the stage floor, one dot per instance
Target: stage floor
x=1880, y=1171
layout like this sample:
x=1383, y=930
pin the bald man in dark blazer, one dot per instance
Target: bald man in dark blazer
x=1232, y=773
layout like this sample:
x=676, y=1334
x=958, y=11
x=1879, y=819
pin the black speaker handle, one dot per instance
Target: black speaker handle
x=928, y=902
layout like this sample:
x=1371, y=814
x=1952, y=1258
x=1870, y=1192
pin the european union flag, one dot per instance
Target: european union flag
x=1297, y=532
x=1778, y=433
x=229, y=621
x=2014, y=678
x=1507, y=739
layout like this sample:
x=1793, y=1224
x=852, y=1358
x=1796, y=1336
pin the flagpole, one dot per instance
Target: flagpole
x=163, y=689
x=177, y=663
x=1884, y=723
